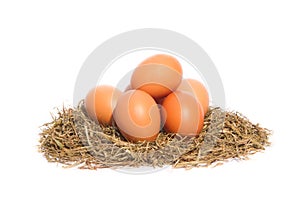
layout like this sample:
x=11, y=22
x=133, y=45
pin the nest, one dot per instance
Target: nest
x=73, y=139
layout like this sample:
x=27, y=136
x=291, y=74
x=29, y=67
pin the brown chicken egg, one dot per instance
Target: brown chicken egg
x=198, y=90
x=182, y=114
x=137, y=116
x=158, y=75
x=100, y=102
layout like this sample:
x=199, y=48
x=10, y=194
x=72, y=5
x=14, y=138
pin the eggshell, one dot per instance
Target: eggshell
x=100, y=102
x=137, y=116
x=182, y=114
x=198, y=90
x=158, y=75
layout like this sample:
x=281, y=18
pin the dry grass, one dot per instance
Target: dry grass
x=73, y=139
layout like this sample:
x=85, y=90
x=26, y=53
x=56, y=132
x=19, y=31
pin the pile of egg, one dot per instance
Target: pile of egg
x=157, y=98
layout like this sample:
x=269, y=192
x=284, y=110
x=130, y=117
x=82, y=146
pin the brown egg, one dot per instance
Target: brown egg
x=198, y=90
x=158, y=75
x=100, y=103
x=137, y=116
x=182, y=114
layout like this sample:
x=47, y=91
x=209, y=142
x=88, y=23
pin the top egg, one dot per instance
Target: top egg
x=158, y=75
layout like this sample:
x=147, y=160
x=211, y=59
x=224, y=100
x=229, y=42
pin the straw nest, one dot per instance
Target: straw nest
x=73, y=139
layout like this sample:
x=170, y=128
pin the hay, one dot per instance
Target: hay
x=73, y=139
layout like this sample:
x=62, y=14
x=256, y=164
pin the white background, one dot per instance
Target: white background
x=254, y=44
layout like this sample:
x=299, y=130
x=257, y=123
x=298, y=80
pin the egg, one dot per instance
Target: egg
x=100, y=103
x=137, y=116
x=182, y=114
x=198, y=90
x=158, y=75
